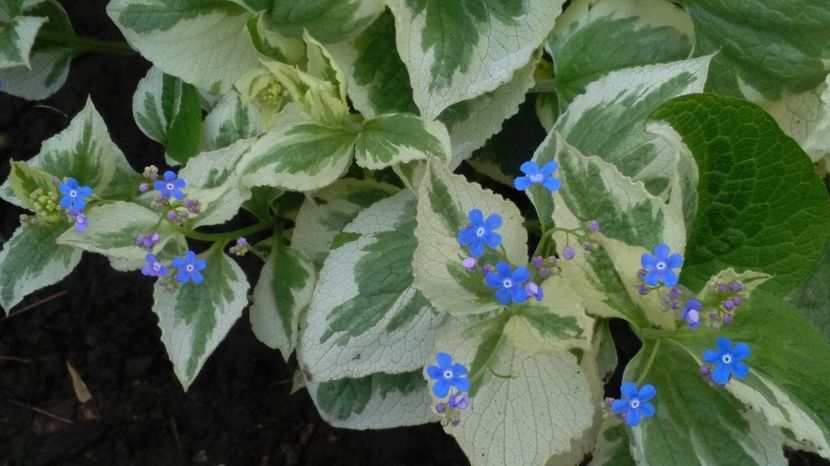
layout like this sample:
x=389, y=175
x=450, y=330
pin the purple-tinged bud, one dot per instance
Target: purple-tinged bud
x=537, y=262
x=553, y=261
x=486, y=269
x=705, y=370
x=172, y=216
x=469, y=263
x=544, y=272
x=143, y=188
x=608, y=401
x=713, y=315
x=81, y=222
x=727, y=319
x=593, y=226
x=723, y=288
x=729, y=305
x=588, y=247
x=737, y=300
x=241, y=241
x=151, y=172
x=568, y=253
x=440, y=408
x=675, y=292
x=455, y=421
x=736, y=286
x=642, y=290
x=458, y=401
x=192, y=205
x=641, y=273
x=535, y=290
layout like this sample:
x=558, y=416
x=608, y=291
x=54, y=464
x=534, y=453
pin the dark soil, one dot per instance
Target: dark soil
x=238, y=412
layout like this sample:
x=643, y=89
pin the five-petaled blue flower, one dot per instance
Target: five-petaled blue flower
x=479, y=232
x=659, y=266
x=170, y=186
x=153, y=268
x=74, y=196
x=447, y=374
x=189, y=268
x=634, y=404
x=727, y=360
x=536, y=175
x=508, y=284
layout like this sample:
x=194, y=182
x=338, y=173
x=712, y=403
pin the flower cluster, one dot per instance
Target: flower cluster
x=634, y=404
x=74, y=201
x=241, y=247
x=448, y=375
x=148, y=241
x=171, y=197
x=188, y=268
x=726, y=361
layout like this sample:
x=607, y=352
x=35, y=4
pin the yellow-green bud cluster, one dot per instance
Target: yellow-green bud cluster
x=46, y=204
x=272, y=94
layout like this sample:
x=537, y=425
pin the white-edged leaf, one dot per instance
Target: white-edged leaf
x=30, y=260
x=272, y=44
x=365, y=315
x=230, y=120
x=444, y=200
x=805, y=117
x=17, y=34
x=328, y=20
x=387, y=140
x=298, y=154
x=377, y=401
x=327, y=211
x=456, y=51
x=281, y=294
x=194, y=319
x=206, y=43
x=113, y=229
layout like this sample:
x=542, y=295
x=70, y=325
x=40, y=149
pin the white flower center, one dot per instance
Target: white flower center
x=73, y=193
x=157, y=266
x=537, y=178
x=189, y=267
x=726, y=358
x=661, y=266
x=447, y=374
x=634, y=404
x=171, y=186
x=480, y=232
x=507, y=283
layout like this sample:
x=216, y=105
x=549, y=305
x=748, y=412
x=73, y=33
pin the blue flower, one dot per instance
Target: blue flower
x=74, y=196
x=446, y=375
x=536, y=175
x=188, y=268
x=153, y=268
x=727, y=360
x=171, y=186
x=479, y=232
x=691, y=313
x=508, y=284
x=659, y=266
x=634, y=403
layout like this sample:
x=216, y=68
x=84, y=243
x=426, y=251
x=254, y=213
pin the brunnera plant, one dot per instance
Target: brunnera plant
x=679, y=190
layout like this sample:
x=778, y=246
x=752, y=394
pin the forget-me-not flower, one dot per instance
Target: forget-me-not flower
x=536, y=175
x=446, y=375
x=153, y=268
x=508, y=284
x=171, y=186
x=727, y=360
x=659, y=266
x=691, y=313
x=634, y=404
x=480, y=232
x=189, y=268
x=74, y=195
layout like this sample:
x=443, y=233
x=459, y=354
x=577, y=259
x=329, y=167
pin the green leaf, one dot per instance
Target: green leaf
x=377, y=401
x=298, y=155
x=194, y=319
x=17, y=34
x=609, y=121
x=281, y=294
x=524, y=407
x=184, y=38
x=444, y=200
x=24, y=180
x=113, y=229
x=48, y=64
x=812, y=297
x=30, y=260
x=84, y=151
x=326, y=212
x=270, y=43
x=696, y=423
x=231, y=120
x=593, y=38
x=789, y=377
x=761, y=205
x=456, y=51
x=327, y=20
x=612, y=448
x=771, y=47
x=167, y=110
x=391, y=139
x=365, y=315
x=377, y=78
x=212, y=179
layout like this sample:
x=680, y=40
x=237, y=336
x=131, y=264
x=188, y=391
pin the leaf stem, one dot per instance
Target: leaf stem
x=224, y=237
x=543, y=86
x=85, y=44
x=649, y=363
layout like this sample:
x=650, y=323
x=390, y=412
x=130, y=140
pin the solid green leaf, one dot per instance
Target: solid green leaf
x=761, y=206
x=327, y=20
x=387, y=140
x=456, y=51
x=281, y=294
x=812, y=297
x=767, y=47
x=30, y=260
x=194, y=319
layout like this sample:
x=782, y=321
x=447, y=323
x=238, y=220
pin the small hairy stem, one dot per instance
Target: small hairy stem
x=543, y=86
x=85, y=44
x=650, y=361
x=224, y=237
